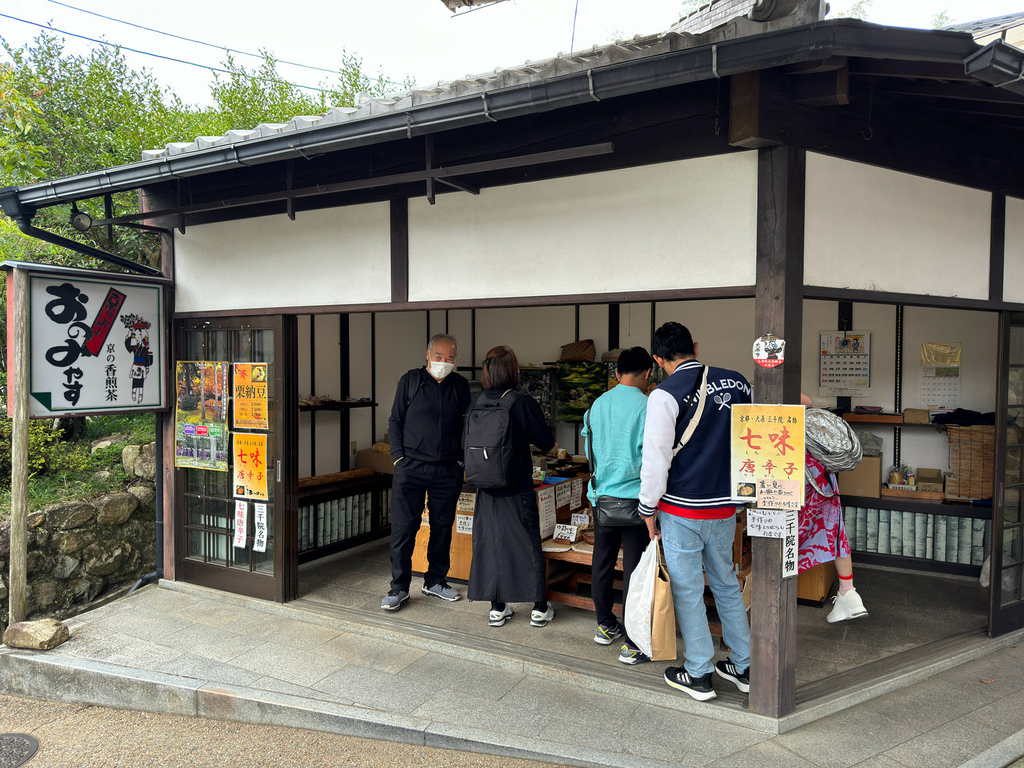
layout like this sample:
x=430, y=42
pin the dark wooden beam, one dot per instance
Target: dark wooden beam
x=400, y=250
x=613, y=325
x=954, y=91
x=922, y=70
x=778, y=309
x=827, y=89
x=997, y=259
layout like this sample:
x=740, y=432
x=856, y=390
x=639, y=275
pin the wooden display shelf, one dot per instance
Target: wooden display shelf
x=875, y=418
x=895, y=493
x=335, y=405
x=904, y=504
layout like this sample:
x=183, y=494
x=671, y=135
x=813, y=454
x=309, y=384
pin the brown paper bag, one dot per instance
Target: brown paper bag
x=663, y=616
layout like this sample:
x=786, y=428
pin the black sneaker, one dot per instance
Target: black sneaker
x=699, y=688
x=728, y=670
x=630, y=654
x=607, y=634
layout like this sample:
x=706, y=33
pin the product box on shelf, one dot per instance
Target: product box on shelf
x=378, y=462
x=916, y=416
x=929, y=480
x=865, y=480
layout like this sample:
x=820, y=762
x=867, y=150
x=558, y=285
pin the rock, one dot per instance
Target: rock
x=86, y=588
x=36, y=519
x=42, y=635
x=99, y=445
x=101, y=477
x=64, y=566
x=145, y=466
x=130, y=455
x=40, y=536
x=115, y=508
x=69, y=516
x=146, y=494
x=38, y=562
x=43, y=594
x=3, y=590
x=73, y=541
x=103, y=559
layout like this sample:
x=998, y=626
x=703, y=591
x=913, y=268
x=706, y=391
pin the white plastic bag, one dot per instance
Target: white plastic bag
x=639, y=605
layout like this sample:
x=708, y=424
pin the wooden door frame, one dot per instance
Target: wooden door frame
x=283, y=584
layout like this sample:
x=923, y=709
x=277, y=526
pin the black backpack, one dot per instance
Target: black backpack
x=487, y=441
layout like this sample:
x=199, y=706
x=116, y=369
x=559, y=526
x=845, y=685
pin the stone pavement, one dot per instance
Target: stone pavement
x=182, y=650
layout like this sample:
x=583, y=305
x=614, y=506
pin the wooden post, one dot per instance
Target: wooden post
x=17, y=391
x=778, y=309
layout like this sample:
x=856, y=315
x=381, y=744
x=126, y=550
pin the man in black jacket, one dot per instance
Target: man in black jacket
x=425, y=431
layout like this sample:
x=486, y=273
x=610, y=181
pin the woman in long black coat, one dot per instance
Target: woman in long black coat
x=508, y=565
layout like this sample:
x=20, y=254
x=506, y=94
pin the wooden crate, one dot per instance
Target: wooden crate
x=971, y=461
x=813, y=585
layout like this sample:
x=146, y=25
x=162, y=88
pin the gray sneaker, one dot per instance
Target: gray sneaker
x=395, y=599
x=442, y=590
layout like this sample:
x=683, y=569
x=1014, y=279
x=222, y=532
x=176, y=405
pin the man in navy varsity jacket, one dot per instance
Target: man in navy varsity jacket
x=690, y=487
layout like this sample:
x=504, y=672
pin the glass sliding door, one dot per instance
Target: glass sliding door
x=205, y=498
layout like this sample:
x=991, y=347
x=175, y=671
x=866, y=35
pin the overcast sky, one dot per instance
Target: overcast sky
x=419, y=38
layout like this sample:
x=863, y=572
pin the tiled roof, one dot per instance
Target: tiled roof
x=989, y=26
x=529, y=72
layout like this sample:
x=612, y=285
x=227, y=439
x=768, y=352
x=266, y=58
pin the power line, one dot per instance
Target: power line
x=191, y=40
x=144, y=53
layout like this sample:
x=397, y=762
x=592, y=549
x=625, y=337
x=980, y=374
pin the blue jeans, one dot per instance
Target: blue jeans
x=690, y=547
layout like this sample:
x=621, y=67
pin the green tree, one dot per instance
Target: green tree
x=941, y=19
x=859, y=10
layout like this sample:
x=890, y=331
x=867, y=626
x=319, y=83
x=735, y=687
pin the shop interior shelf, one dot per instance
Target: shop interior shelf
x=888, y=420
x=913, y=505
x=915, y=563
x=337, y=405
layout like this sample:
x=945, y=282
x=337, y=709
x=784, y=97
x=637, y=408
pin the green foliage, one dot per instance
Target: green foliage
x=858, y=10
x=941, y=19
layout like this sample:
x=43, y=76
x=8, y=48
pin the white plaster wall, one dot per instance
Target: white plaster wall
x=333, y=256
x=685, y=224
x=874, y=229
x=1013, y=268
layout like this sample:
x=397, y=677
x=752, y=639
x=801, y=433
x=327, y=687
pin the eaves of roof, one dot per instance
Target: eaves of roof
x=662, y=61
x=985, y=27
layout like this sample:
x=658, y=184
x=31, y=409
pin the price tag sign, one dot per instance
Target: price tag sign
x=464, y=524
x=580, y=519
x=466, y=503
x=562, y=493
x=766, y=523
x=566, y=532
x=577, y=493
x=546, y=506
x=241, y=522
x=259, y=543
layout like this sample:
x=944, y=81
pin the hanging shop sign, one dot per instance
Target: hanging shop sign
x=259, y=539
x=241, y=522
x=844, y=364
x=201, y=415
x=96, y=342
x=249, y=473
x=250, y=396
x=767, y=461
x=791, y=546
x=769, y=351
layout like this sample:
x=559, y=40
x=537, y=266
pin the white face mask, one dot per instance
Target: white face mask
x=439, y=370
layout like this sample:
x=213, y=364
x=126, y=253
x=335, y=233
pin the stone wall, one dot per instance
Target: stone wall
x=80, y=550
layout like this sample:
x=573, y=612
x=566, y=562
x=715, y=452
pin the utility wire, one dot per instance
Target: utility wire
x=143, y=53
x=191, y=40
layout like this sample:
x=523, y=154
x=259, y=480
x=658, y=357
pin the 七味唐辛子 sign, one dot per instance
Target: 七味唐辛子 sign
x=249, y=465
x=767, y=462
x=96, y=344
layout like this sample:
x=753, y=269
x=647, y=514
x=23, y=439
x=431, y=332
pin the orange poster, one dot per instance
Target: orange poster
x=768, y=455
x=250, y=396
x=249, y=460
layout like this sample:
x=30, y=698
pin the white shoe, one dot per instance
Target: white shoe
x=541, y=618
x=498, y=618
x=848, y=606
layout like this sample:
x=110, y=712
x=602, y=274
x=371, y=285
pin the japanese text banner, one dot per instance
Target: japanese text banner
x=767, y=461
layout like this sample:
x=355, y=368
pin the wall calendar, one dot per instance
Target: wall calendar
x=844, y=367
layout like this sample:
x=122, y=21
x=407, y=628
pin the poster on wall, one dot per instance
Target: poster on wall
x=767, y=461
x=96, y=344
x=201, y=415
x=250, y=396
x=249, y=460
x=579, y=385
x=844, y=364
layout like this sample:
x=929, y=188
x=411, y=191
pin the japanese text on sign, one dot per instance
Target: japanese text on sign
x=766, y=523
x=249, y=465
x=241, y=522
x=464, y=524
x=768, y=445
x=259, y=541
x=790, y=547
x=250, y=396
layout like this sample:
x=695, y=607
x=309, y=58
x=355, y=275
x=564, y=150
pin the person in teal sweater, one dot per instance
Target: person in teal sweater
x=614, y=432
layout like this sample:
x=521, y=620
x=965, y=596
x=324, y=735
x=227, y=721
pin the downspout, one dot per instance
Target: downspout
x=158, y=573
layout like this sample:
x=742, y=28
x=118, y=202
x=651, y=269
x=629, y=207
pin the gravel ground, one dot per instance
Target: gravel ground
x=86, y=736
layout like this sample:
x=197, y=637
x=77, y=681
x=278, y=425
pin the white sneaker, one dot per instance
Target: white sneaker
x=848, y=606
x=541, y=618
x=498, y=618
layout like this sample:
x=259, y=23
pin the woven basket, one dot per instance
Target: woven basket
x=582, y=351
